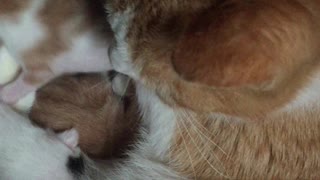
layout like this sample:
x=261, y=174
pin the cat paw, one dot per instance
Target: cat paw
x=120, y=61
x=15, y=91
x=120, y=83
x=8, y=66
x=25, y=104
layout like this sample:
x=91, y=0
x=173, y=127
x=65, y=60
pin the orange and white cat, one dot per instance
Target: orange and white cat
x=49, y=38
x=229, y=89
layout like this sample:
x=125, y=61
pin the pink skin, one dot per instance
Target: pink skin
x=15, y=90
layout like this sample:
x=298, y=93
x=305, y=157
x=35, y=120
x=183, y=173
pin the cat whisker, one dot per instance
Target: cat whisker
x=96, y=85
x=185, y=144
x=200, y=134
x=192, y=121
x=199, y=150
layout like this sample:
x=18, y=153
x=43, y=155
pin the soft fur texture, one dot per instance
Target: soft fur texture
x=228, y=89
x=223, y=86
x=49, y=38
x=29, y=152
x=107, y=123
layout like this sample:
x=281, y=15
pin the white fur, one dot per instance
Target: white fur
x=119, y=51
x=27, y=152
x=87, y=54
x=159, y=119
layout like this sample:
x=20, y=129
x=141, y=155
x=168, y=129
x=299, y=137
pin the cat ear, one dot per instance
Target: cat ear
x=219, y=52
x=70, y=138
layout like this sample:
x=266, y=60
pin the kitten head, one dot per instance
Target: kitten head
x=240, y=58
x=99, y=115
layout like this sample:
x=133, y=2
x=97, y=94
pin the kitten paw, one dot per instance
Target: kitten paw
x=8, y=66
x=25, y=104
x=120, y=60
x=16, y=90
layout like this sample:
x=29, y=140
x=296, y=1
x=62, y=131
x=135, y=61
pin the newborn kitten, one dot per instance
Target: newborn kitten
x=49, y=38
x=106, y=122
x=28, y=152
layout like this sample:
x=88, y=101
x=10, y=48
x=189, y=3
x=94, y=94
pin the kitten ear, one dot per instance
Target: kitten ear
x=219, y=51
x=70, y=138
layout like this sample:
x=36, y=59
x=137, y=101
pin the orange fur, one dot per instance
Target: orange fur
x=235, y=59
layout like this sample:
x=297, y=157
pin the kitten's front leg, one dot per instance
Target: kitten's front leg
x=22, y=87
x=9, y=69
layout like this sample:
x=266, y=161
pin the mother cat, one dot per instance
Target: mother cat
x=228, y=88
